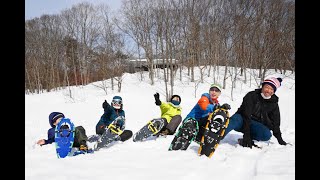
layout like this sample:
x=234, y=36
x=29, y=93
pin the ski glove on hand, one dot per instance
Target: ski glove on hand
x=247, y=142
x=105, y=104
x=226, y=106
x=281, y=141
x=156, y=97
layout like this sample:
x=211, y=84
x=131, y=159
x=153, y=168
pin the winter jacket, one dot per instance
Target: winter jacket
x=203, y=108
x=109, y=115
x=265, y=111
x=51, y=132
x=168, y=110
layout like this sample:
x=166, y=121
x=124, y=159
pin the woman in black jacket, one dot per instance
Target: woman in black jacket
x=258, y=114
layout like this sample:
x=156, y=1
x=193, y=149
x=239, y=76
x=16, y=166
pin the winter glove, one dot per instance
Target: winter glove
x=156, y=97
x=105, y=104
x=280, y=140
x=247, y=142
x=225, y=106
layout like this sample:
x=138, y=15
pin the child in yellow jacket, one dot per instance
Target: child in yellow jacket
x=170, y=112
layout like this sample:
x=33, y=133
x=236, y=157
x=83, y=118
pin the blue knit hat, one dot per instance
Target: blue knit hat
x=54, y=116
x=117, y=97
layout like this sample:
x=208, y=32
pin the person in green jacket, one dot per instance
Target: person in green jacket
x=170, y=112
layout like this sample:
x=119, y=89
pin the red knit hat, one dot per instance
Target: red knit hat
x=273, y=82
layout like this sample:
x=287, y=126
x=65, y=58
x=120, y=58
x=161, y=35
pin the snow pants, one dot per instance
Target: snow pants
x=258, y=131
x=80, y=136
x=173, y=124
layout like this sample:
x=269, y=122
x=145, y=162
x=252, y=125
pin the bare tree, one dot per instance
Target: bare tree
x=138, y=23
x=83, y=44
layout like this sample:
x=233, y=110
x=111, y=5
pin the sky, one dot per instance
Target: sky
x=151, y=159
x=36, y=8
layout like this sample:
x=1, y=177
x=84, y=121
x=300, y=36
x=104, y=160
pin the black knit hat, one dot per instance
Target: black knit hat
x=173, y=96
x=54, y=116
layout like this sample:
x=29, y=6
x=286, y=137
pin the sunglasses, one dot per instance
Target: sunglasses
x=215, y=89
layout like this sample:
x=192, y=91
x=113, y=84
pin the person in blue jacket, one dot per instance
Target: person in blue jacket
x=80, y=139
x=206, y=105
x=111, y=113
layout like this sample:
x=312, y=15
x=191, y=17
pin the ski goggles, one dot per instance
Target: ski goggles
x=117, y=102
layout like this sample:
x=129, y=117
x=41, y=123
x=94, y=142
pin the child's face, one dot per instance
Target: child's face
x=57, y=121
x=214, y=93
x=176, y=98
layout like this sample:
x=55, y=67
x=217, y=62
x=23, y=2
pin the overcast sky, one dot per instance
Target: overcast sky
x=36, y=8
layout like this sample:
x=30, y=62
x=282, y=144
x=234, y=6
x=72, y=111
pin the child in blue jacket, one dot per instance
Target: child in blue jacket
x=206, y=105
x=80, y=139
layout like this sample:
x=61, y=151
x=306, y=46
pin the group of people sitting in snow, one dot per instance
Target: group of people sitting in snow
x=256, y=117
